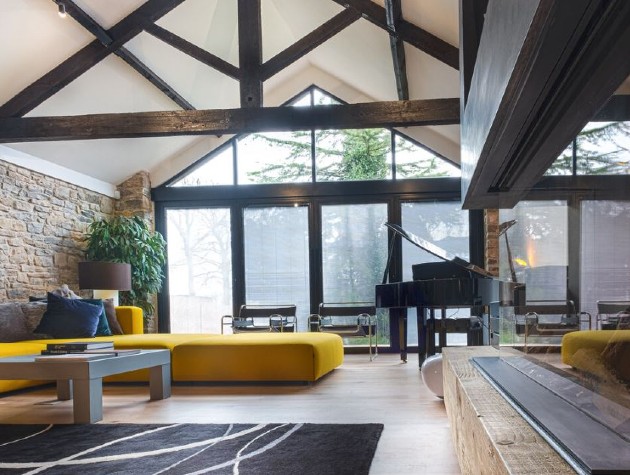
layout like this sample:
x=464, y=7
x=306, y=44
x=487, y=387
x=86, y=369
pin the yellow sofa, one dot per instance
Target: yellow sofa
x=281, y=357
x=603, y=353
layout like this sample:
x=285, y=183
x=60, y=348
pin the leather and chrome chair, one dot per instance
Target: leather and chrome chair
x=262, y=318
x=348, y=320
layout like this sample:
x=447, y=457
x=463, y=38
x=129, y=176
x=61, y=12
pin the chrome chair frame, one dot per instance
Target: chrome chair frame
x=262, y=318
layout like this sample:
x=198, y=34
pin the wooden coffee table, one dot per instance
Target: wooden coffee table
x=82, y=381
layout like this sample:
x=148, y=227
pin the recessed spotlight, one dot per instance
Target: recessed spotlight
x=62, y=10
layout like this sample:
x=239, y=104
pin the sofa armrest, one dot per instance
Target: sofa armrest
x=131, y=320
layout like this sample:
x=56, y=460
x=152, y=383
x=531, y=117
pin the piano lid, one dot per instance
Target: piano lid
x=437, y=251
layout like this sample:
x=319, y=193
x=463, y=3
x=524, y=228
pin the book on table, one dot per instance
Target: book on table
x=80, y=345
x=71, y=357
x=102, y=351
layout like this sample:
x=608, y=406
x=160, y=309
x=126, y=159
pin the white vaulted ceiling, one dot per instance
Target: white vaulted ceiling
x=355, y=65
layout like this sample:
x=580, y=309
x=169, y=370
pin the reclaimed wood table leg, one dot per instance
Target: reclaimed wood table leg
x=64, y=389
x=160, y=381
x=88, y=400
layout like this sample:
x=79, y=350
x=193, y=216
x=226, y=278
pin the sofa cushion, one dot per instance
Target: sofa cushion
x=69, y=318
x=13, y=324
x=112, y=319
x=102, y=329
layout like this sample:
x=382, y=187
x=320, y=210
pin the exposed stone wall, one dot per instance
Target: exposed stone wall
x=42, y=223
x=135, y=197
x=491, y=221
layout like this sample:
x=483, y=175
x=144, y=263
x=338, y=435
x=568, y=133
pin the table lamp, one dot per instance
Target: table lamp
x=105, y=278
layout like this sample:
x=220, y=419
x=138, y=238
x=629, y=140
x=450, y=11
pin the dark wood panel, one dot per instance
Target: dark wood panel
x=194, y=51
x=59, y=77
x=230, y=121
x=557, y=65
x=309, y=42
x=408, y=32
x=471, y=14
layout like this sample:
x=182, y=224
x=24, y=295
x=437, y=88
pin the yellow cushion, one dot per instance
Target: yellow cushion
x=258, y=357
x=598, y=352
x=19, y=349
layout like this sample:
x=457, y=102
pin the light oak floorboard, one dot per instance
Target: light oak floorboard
x=416, y=438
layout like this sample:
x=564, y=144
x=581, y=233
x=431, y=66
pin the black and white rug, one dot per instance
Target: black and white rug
x=188, y=448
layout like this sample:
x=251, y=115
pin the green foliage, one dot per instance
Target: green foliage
x=129, y=239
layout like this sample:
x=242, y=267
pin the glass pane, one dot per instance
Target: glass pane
x=277, y=258
x=603, y=148
x=533, y=249
x=348, y=155
x=322, y=98
x=276, y=157
x=563, y=164
x=217, y=170
x=444, y=224
x=199, y=268
x=354, y=255
x=413, y=161
x=605, y=242
x=537, y=243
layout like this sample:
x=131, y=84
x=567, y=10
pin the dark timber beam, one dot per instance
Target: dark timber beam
x=309, y=42
x=87, y=22
x=410, y=33
x=393, y=12
x=536, y=85
x=230, y=121
x=250, y=52
x=194, y=51
x=85, y=58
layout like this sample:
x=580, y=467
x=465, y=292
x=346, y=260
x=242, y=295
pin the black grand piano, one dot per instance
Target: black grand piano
x=451, y=283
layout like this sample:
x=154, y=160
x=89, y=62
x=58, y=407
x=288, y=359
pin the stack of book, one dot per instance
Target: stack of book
x=82, y=350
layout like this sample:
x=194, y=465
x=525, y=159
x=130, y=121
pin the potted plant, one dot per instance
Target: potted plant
x=129, y=239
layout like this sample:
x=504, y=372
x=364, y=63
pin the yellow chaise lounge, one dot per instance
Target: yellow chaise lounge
x=281, y=357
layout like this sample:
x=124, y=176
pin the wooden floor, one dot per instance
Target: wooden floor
x=416, y=438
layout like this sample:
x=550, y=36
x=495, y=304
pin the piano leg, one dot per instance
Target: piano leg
x=442, y=332
x=426, y=333
x=402, y=336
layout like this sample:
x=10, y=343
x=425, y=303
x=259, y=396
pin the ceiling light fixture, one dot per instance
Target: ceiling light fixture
x=62, y=10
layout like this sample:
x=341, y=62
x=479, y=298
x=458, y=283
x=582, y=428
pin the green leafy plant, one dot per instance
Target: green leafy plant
x=129, y=239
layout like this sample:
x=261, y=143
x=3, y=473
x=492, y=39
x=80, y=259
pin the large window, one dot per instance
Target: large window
x=445, y=225
x=354, y=251
x=199, y=269
x=277, y=257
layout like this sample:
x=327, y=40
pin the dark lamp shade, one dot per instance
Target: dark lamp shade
x=97, y=275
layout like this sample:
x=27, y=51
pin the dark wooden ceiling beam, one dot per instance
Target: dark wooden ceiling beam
x=87, y=22
x=309, y=42
x=91, y=54
x=230, y=121
x=250, y=52
x=393, y=13
x=194, y=51
x=408, y=32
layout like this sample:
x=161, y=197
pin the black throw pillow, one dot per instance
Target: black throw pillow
x=69, y=318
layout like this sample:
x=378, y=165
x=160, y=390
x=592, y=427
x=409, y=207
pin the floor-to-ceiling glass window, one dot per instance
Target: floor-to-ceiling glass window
x=445, y=225
x=276, y=245
x=354, y=254
x=199, y=268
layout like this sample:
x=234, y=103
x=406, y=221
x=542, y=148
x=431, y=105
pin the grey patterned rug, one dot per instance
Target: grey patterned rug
x=188, y=448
